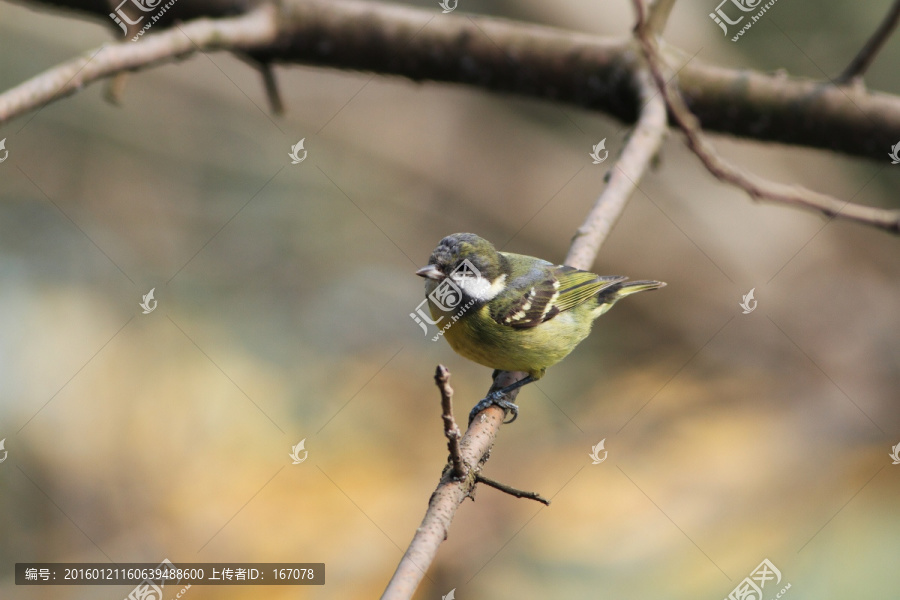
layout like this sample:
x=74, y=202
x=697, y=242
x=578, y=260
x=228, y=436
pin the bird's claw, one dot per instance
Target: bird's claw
x=495, y=399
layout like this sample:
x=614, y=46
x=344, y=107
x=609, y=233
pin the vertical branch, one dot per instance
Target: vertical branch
x=626, y=174
x=451, y=430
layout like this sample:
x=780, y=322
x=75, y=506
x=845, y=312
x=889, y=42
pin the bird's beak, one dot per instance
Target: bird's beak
x=430, y=272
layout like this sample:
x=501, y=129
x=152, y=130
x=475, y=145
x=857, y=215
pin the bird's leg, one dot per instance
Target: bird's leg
x=495, y=398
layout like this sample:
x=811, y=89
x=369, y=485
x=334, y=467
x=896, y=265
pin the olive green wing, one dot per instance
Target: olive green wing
x=544, y=292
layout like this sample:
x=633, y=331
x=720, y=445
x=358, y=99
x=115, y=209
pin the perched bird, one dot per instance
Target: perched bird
x=513, y=312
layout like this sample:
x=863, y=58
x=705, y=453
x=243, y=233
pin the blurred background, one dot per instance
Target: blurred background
x=284, y=294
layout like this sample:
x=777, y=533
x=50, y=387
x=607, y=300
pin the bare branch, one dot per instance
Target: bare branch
x=251, y=29
x=625, y=176
x=511, y=490
x=758, y=187
x=451, y=430
x=860, y=64
x=639, y=152
x=562, y=66
x=450, y=493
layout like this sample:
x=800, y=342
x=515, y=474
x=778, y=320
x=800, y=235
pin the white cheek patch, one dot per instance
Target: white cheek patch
x=479, y=287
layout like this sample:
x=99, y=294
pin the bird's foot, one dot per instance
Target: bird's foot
x=495, y=399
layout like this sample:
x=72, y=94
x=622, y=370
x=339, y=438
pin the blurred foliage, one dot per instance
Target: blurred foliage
x=284, y=297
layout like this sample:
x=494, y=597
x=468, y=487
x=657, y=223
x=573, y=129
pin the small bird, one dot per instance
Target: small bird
x=513, y=312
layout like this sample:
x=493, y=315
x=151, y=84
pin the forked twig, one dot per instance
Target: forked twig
x=758, y=187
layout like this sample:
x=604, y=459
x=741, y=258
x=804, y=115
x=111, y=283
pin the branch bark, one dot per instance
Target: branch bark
x=495, y=54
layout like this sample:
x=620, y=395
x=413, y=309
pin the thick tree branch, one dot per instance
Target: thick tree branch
x=860, y=64
x=500, y=55
x=758, y=187
x=479, y=438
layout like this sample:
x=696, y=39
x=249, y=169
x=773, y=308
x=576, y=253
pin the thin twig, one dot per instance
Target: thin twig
x=250, y=29
x=511, y=490
x=270, y=83
x=451, y=430
x=860, y=64
x=758, y=187
x=559, y=65
x=115, y=88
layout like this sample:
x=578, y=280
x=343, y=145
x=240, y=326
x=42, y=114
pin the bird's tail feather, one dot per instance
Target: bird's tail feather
x=637, y=286
x=612, y=294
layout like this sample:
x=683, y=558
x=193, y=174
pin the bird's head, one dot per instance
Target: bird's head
x=471, y=262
